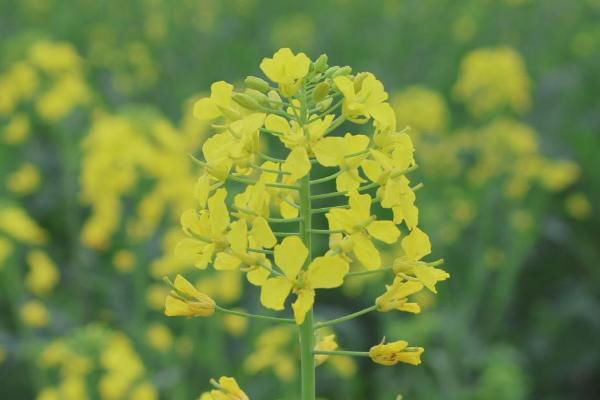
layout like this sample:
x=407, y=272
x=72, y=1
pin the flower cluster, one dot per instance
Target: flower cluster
x=256, y=211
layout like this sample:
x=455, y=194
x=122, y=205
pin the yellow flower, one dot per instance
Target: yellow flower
x=327, y=343
x=25, y=180
x=6, y=249
x=15, y=222
x=186, y=301
x=416, y=246
x=422, y=109
x=35, y=314
x=43, y=274
x=17, y=129
x=323, y=273
x=396, y=296
x=227, y=389
x=492, y=78
x=363, y=97
x=360, y=226
x=159, y=337
x=577, y=205
x=286, y=69
x=124, y=260
x=395, y=352
x=344, y=153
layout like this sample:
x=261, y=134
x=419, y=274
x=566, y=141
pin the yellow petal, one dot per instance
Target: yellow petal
x=274, y=292
x=176, y=308
x=386, y=231
x=220, y=93
x=184, y=286
x=348, y=181
x=290, y=256
x=206, y=109
x=277, y=124
x=258, y=276
x=345, y=85
x=297, y=163
x=225, y=261
x=366, y=252
x=238, y=236
x=303, y=304
x=329, y=151
x=219, y=215
x=429, y=276
x=361, y=205
x=326, y=272
x=416, y=245
x=262, y=233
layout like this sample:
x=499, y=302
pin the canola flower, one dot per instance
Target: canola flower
x=308, y=113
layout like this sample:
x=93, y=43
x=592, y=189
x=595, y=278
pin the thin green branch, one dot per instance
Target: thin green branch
x=341, y=353
x=369, y=272
x=326, y=178
x=255, y=316
x=346, y=317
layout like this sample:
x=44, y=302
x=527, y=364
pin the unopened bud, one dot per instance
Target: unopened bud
x=325, y=104
x=256, y=83
x=342, y=71
x=321, y=91
x=245, y=101
x=321, y=63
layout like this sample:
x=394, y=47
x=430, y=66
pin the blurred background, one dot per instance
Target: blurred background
x=503, y=102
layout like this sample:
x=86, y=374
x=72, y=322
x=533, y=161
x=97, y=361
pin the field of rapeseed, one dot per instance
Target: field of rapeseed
x=336, y=200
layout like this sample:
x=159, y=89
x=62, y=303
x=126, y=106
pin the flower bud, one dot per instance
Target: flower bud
x=321, y=63
x=256, y=83
x=321, y=91
x=246, y=101
x=342, y=71
x=325, y=104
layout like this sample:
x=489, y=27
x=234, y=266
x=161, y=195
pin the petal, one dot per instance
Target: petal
x=360, y=204
x=262, y=233
x=429, y=276
x=184, y=286
x=386, y=231
x=326, y=272
x=290, y=256
x=286, y=209
x=297, y=163
x=348, y=181
x=277, y=124
x=372, y=170
x=329, y=151
x=416, y=245
x=205, y=109
x=345, y=85
x=220, y=93
x=366, y=252
x=176, y=308
x=238, y=236
x=258, y=276
x=303, y=304
x=219, y=215
x=225, y=261
x=274, y=292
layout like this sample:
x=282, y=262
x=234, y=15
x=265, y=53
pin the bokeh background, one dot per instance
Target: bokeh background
x=503, y=101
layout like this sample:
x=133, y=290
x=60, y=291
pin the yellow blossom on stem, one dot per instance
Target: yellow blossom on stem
x=286, y=69
x=395, y=352
x=227, y=389
x=187, y=301
x=323, y=273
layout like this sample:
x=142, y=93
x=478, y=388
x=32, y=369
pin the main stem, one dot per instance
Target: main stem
x=306, y=330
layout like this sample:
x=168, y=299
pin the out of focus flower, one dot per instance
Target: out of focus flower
x=422, y=109
x=25, y=180
x=493, y=78
x=578, y=206
x=43, y=274
x=15, y=222
x=124, y=260
x=35, y=314
x=159, y=337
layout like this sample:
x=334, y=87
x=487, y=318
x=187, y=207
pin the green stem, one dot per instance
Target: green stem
x=369, y=272
x=306, y=330
x=342, y=353
x=346, y=317
x=255, y=316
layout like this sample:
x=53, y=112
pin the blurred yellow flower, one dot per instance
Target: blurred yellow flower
x=577, y=205
x=17, y=129
x=227, y=389
x=492, y=78
x=43, y=274
x=159, y=337
x=35, y=314
x=15, y=222
x=124, y=260
x=25, y=180
x=422, y=109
